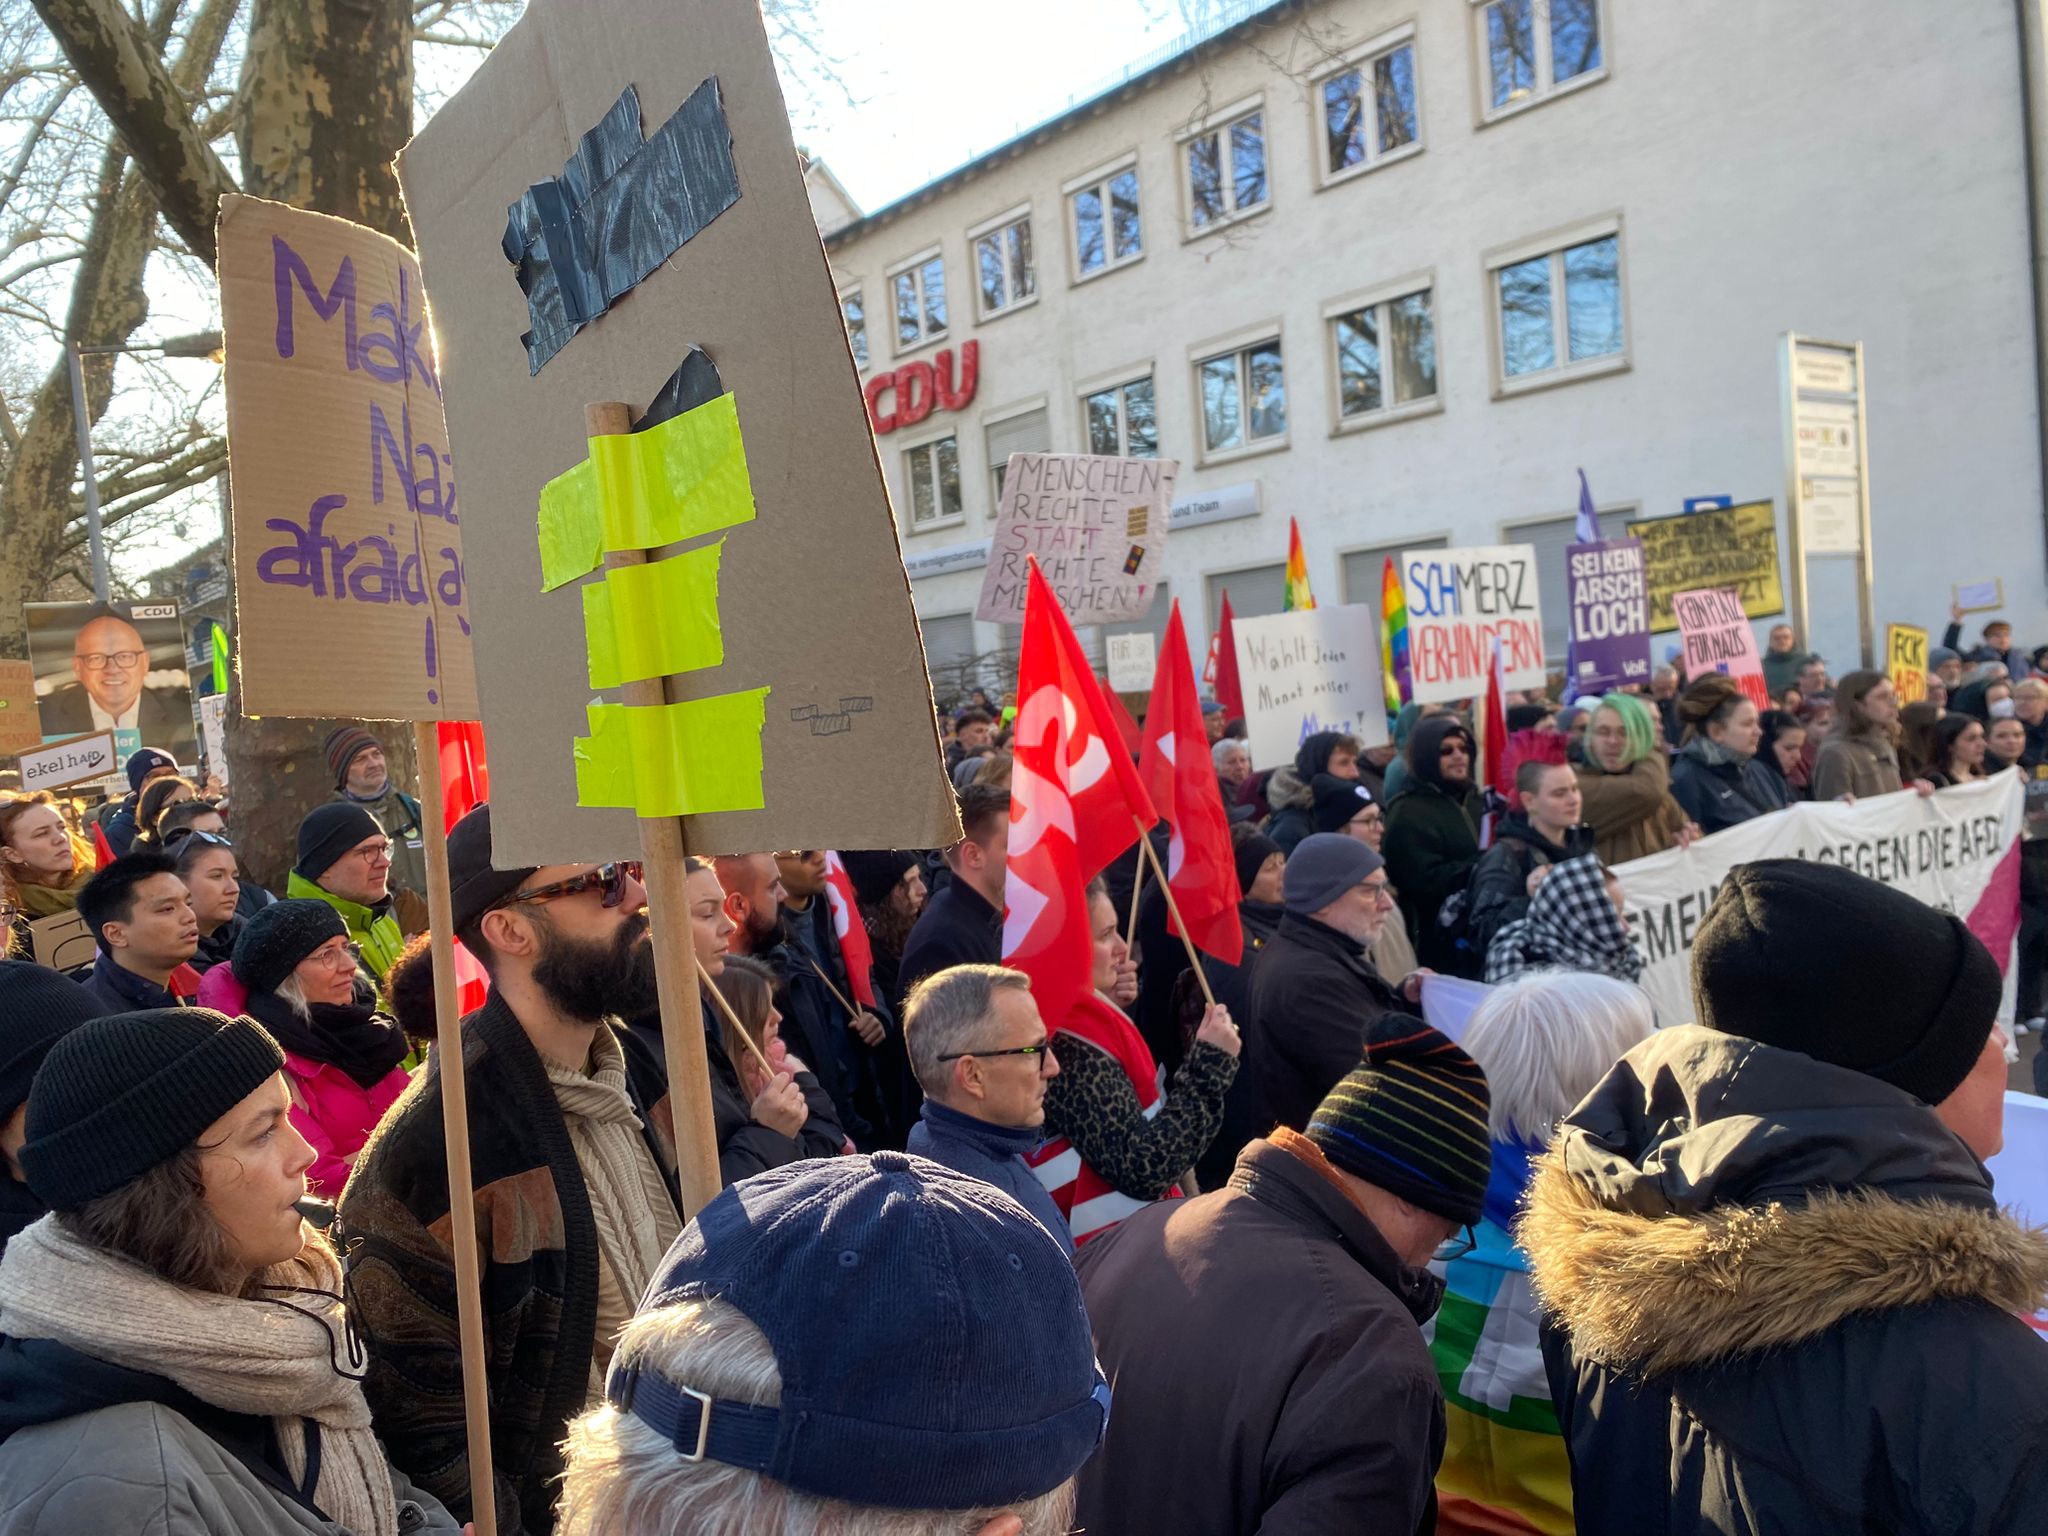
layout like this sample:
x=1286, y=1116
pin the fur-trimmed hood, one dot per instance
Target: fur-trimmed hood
x=1714, y=1197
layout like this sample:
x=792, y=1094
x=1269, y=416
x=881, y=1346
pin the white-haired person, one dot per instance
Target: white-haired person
x=1544, y=1039
x=867, y=1346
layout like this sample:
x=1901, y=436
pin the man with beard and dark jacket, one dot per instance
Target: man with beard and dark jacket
x=1779, y=1294
x=1314, y=994
x=574, y=1177
x=1433, y=837
x=1291, y=792
x=1545, y=830
x=962, y=922
x=1264, y=1341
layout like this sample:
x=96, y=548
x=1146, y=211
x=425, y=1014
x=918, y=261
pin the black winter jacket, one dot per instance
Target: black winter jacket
x=1498, y=891
x=956, y=927
x=1313, y=996
x=1723, y=795
x=1780, y=1300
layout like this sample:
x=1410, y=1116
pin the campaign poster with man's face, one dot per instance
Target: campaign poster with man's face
x=118, y=667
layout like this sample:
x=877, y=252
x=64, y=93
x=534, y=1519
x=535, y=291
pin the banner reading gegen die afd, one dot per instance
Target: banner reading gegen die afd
x=1957, y=849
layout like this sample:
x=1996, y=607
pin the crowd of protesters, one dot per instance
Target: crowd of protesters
x=1337, y=1270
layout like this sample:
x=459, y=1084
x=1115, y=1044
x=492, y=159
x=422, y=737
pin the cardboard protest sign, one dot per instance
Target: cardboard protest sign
x=19, y=726
x=112, y=667
x=75, y=761
x=1717, y=638
x=1905, y=660
x=61, y=941
x=1133, y=659
x=1979, y=596
x=1097, y=526
x=1610, y=636
x=349, y=583
x=213, y=738
x=1727, y=547
x=1315, y=669
x=1459, y=602
x=812, y=603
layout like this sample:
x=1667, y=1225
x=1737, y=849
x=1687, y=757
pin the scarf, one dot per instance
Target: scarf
x=49, y=900
x=362, y=1042
x=1570, y=924
x=1709, y=751
x=241, y=1354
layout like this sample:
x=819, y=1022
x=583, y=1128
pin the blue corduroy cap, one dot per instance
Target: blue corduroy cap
x=932, y=1342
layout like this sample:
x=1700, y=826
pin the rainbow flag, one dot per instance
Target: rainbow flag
x=1298, y=594
x=1394, y=638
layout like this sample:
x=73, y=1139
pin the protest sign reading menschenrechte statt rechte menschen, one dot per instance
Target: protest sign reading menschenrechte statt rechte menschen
x=1097, y=526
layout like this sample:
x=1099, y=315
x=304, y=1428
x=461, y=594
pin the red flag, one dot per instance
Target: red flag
x=855, y=952
x=1126, y=727
x=1493, y=738
x=1221, y=672
x=465, y=784
x=1075, y=804
x=102, y=850
x=1180, y=774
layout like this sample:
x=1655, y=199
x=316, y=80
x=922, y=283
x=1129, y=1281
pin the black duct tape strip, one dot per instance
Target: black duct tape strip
x=693, y=384
x=579, y=242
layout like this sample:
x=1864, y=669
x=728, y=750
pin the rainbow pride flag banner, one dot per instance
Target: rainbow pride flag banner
x=1298, y=594
x=1394, y=637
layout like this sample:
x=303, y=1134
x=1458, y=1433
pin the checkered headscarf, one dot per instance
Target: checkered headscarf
x=1570, y=924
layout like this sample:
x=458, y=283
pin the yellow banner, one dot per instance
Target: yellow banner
x=1905, y=658
x=1731, y=547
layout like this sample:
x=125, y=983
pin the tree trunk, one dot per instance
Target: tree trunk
x=325, y=104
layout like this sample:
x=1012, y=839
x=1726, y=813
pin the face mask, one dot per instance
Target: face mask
x=2003, y=709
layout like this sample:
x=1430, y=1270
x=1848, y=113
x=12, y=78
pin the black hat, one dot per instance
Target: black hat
x=1337, y=800
x=38, y=1008
x=1251, y=854
x=875, y=871
x=277, y=938
x=118, y=1096
x=475, y=884
x=328, y=832
x=142, y=764
x=1899, y=990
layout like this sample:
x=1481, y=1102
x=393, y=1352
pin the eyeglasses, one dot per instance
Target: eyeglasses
x=343, y=959
x=370, y=853
x=1453, y=1249
x=610, y=878
x=99, y=661
x=1042, y=1050
x=1378, y=892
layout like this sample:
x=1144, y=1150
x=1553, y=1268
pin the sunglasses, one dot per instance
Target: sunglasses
x=212, y=839
x=609, y=878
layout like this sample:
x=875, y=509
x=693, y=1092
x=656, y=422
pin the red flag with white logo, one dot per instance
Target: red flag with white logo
x=1075, y=803
x=855, y=952
x=1220, y=672
x=1180, y=775
x=1493, y=742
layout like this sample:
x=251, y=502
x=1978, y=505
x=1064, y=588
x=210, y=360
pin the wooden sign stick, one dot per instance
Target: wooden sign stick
x=724, y=1006
x=469, y=1306
x=838, y=996
x=1137, y=891
x=665, y=862
x=1173, y=910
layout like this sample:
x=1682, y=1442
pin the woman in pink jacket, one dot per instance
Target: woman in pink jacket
x=341, y=1056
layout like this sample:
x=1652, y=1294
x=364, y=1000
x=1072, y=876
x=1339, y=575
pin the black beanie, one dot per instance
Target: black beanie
x=475, y=884
x=1251, y=855
x=1337, y=801
x=328, y=832
x=276, y=939
x=1816, y=959
x=875, y=872
x=121, y=1095
x=38, y=1008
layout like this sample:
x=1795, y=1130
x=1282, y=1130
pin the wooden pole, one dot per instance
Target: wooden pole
x=838, y=996
x=1137, y=895
x=664, y=860
x=469, y=1308
x=724, y=1006
x=1173, y=910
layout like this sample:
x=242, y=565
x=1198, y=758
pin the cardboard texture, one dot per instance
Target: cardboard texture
x=1307, y=671
x=61, y=941
x=349, y=584
x=813, y=601
x=1097, y=526
x=19, y=726
x=76, y=761
x=1725, y=547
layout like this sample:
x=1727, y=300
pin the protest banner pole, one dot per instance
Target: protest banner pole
x=1173, y=908
x=664, y=860
x=838, y=996
x=1137, y=891
x=725, y=1007
x=469, y=1307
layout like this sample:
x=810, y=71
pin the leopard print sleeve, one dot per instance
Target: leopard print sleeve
x=1093, y=1105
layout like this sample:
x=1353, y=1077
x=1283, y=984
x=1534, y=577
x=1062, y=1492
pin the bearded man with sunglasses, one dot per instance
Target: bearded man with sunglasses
x=573, y=1164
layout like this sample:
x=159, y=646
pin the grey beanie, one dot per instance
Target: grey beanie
x=1323, y=866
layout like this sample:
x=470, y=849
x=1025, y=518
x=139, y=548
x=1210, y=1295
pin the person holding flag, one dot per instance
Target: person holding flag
x=1115, y=1140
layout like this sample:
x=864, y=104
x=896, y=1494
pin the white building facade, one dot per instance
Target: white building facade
x=1397, y=270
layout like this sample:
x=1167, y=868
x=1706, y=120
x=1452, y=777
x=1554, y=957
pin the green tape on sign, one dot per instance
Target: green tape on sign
x=683, y=759
x=651, y=620
x=638, y=490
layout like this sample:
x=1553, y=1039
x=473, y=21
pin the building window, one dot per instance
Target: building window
x=855, y=310
x=1122, y=422
x=1226, y=170
x=1002, y=263
x=920, y=293
x=1244, y=398
x=1023, y=431
x=1386, y=355
x=1106, y=227
x=933, y=473
x=1560, y=311
x=1369, y=109
x=1535, y=48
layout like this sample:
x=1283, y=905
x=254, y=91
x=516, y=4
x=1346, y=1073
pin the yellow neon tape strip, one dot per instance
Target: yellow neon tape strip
x=638, y=490
x=674, y=759
x=651, y=620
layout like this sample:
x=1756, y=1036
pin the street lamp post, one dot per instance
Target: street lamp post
x=201, y=344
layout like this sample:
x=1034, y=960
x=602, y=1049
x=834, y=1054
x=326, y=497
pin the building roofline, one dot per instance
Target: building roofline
x=1236, y=18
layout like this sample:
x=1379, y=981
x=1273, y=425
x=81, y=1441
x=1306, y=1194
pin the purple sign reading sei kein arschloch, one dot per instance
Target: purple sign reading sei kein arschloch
x=1610, y=609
